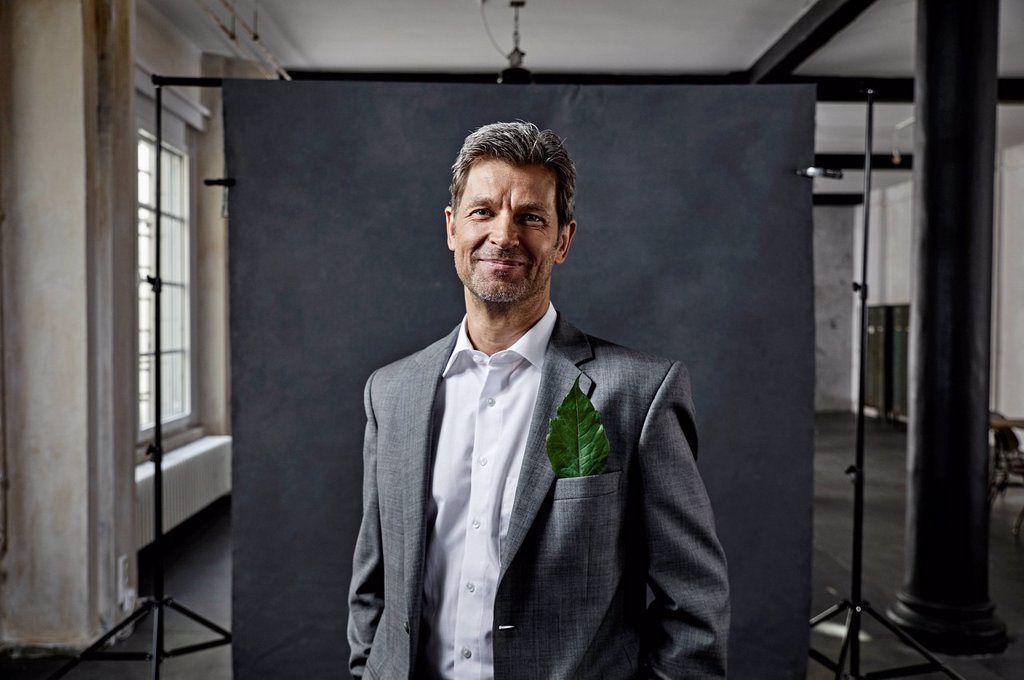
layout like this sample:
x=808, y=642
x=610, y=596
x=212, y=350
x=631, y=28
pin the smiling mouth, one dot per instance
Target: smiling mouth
x=500, y=264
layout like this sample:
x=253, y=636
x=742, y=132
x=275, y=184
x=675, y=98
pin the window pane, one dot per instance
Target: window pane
x=145, y=189
x=145, y=393
x=145, y=319
x=175, y=390
x=173, y=303
x=145, y=243
x=174, y=253
x=145, y=159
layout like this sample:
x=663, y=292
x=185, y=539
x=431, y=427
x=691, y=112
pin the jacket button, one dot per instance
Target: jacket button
x=406, y=627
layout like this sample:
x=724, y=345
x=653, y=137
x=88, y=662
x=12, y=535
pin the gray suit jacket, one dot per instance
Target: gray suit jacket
x=580, y=553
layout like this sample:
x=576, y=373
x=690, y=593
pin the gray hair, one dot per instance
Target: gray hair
x=519, y=143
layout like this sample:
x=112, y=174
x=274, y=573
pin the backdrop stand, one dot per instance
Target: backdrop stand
x=856, y=606
x=159, y=603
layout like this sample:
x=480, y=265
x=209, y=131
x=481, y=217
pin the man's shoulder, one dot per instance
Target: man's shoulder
x=614, y=356
x=431, y=357
x=612, y=352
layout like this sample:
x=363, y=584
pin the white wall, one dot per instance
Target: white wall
x=891, y=265
x=1008, y=302
x=890, y=244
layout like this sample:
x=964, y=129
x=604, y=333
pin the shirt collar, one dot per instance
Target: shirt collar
x=531, y=346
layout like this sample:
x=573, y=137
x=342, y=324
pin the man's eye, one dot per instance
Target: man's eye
x=480, y=211
x=533, y=219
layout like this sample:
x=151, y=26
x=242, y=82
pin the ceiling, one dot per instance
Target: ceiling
x=638, y=37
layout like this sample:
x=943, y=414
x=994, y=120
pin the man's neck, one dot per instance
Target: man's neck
x=493, y=327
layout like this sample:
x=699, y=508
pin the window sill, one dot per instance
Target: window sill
x=170, y=442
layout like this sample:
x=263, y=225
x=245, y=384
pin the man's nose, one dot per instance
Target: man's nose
x=504, y=233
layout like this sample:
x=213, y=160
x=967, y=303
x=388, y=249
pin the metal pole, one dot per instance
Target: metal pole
x=157, y=445
x=856, y=575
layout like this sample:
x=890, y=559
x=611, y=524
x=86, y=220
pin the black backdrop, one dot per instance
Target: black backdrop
x=694, y=242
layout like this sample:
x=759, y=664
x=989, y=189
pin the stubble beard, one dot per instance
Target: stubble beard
x=500, y=288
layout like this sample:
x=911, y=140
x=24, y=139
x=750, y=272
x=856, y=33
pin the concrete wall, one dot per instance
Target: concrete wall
x=833, y=306
x=891, y=264
x=66, y=272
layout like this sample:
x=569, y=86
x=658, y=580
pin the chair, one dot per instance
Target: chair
x=1007, y=465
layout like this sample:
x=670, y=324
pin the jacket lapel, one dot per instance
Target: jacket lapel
x=419, y=436
x=566, y=351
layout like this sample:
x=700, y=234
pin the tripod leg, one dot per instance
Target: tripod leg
x=853, y=632
x=158, y=640
x=136, y=616
x=827, y=614
x=185, y=611
x=911, y=642
x=841, y=661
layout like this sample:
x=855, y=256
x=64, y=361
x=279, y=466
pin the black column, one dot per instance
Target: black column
x=944, y=602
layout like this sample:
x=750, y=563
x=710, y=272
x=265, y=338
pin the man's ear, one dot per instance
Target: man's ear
x=564, y=239
x=449, y=224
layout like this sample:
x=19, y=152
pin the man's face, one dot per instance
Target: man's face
x=504, y=232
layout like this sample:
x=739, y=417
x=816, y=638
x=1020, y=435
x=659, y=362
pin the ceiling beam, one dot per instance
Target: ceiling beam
x=855, y=161
x=815, y=27
x=838, y=199
x=852, y=89
x=890, y=90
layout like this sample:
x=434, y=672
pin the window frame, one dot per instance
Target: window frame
x=181, y=429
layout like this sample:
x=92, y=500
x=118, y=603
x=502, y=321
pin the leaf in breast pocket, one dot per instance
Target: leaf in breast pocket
x=577, y=444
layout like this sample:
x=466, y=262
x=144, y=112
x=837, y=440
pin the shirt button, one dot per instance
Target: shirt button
x=483, y=461
x=466, y=653
x=470, y=587
x=476, y=524
x=490, y=401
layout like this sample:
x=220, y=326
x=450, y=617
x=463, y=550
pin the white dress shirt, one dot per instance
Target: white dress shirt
x=484, y=405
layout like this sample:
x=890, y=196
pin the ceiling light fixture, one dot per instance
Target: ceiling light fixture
x=248, y=41
x=515, y=74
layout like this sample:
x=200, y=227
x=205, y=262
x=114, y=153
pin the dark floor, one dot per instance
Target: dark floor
x=199, y=572
x=198, y=576
x=885, y=469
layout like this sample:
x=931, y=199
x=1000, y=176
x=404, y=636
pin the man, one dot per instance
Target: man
x=474, y=560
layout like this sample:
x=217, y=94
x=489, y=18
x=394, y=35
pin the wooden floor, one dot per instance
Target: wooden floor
x=199, y=571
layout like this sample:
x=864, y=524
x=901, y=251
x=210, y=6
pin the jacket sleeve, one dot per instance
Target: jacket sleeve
x=366, y=592
x=686, y=624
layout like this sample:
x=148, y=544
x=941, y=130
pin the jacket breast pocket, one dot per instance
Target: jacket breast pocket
x=568, y=488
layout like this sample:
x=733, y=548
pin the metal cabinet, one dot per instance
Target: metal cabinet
x=888, y=334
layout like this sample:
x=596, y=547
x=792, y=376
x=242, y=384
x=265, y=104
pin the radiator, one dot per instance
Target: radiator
x=194, y=476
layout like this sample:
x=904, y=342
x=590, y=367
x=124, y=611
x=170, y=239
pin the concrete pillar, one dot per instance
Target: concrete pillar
x=945, y=602
x=67, y=178
x=833, y=307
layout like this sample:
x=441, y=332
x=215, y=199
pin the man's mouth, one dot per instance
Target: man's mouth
x=500, y=264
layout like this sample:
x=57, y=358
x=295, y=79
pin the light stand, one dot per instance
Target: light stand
x=848, y=663
x=159, y=602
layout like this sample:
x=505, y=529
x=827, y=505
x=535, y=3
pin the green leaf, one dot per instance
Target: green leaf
x=577, y=443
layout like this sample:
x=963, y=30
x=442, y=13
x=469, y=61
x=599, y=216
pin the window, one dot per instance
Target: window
x=175, y=357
